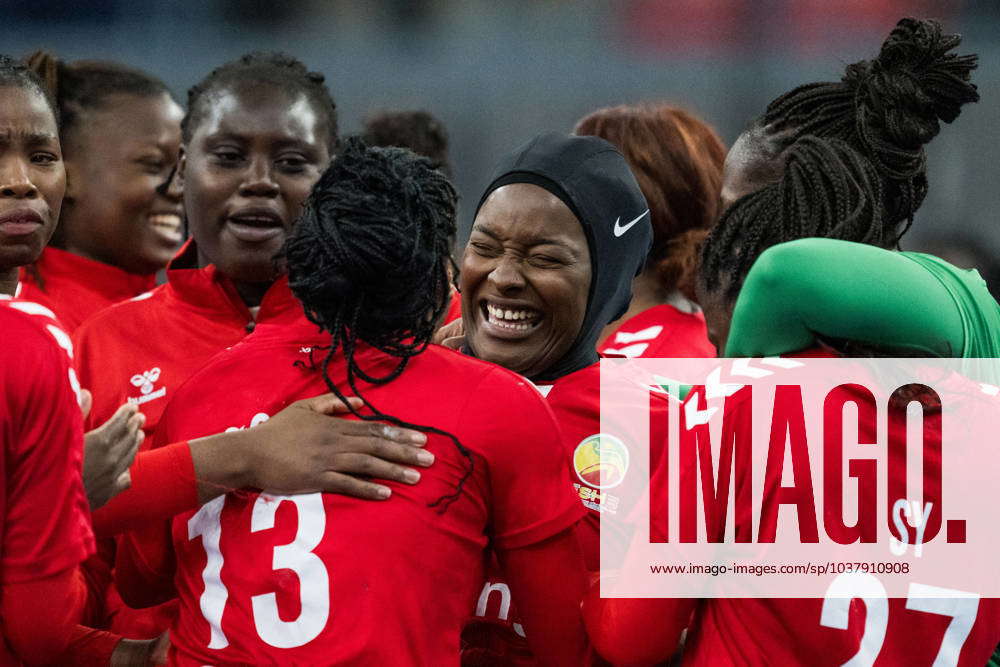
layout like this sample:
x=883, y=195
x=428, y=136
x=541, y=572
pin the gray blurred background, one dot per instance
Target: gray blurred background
x=496, y=72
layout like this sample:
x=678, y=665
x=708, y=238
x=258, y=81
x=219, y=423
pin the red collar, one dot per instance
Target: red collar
x=114, y=283
x=207, y=288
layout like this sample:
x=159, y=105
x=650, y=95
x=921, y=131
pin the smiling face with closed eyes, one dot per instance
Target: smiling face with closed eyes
x=525, y=279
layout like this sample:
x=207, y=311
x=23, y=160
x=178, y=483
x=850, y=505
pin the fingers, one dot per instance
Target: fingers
x=122, y=482
x=395, y=434
x=125, y=462
x=398, y=453
x=351, y=486
x=117, y=425
x=453, y=343
x=328, y=404
x=86, y=402
x=370, y=466
x=341, y=428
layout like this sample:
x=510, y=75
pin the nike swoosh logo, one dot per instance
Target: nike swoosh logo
x=621, y=229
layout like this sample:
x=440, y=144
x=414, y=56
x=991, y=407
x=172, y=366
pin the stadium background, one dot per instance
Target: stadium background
x=497, y=72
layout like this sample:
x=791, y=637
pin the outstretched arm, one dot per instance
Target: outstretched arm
x=799, y=290
x=334, y=455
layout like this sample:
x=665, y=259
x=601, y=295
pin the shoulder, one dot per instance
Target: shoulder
x=135, y=309
x=30, y=319
x=24, y=325
x=461, y=371
x=250, y=363
x=36, y=352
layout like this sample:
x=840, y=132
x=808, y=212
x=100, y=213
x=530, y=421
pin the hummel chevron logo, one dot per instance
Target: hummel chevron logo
x=621, y=229
x=715, y=388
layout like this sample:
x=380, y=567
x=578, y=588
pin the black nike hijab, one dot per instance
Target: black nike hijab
x=592, y=178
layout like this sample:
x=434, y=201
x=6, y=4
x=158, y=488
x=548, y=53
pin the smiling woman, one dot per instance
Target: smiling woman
x=525, y=272
x=560, y=234
x=120, y=131
x=558, y=237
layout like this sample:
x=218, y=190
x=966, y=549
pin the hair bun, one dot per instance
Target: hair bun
x=914, y=83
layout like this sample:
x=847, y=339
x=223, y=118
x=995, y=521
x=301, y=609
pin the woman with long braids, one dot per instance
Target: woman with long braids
x=845, y=203
x=824, y=188
x=677, y=160
x=325, y=579
x=887, y=109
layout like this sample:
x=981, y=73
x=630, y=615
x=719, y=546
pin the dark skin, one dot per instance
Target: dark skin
x=249, y=165
x=718, y=315
x=32, y=180
x=748, y=168
x=527, y=255
x=247, y=169
x=117, y=157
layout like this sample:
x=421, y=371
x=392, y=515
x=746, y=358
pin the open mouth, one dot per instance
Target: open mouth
x=512, y=320
x=167, y=224
x=255, y=226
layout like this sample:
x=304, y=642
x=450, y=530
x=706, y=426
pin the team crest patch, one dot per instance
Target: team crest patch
x=595, y=472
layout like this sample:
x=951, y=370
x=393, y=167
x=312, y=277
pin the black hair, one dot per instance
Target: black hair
x=15, y=73
x=270, y=67
x=86, y=84
x=827, y=190
x=368, y=259
x=887, y=108
x=419, y=131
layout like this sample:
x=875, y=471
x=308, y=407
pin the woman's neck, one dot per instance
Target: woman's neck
x=8, y=280
x=252, y=293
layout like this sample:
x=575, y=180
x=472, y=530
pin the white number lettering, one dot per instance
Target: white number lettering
x=837, y=604
x=205, y=523
x=297, y=556
x=962, y=606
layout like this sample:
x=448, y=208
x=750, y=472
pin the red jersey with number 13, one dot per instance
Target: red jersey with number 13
x=327, y=579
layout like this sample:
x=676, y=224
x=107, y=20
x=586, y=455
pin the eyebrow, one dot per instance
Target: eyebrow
x=532, y=241
x=30, y=138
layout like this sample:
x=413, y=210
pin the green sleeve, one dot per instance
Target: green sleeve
x=837, y=289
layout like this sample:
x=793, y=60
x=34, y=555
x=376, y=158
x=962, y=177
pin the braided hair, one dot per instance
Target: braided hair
x=887, y=108
x=369, y=259
x=86, y=84
x=16, y=74
x=269, y=67
x=827, y=190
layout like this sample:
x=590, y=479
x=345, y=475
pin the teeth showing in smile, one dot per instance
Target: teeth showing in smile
x=165, y=220
x=515, y=320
